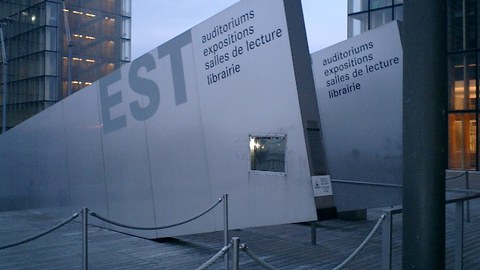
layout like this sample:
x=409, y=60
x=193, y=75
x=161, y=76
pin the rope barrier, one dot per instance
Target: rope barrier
x=61, y=224
x=244, y=248
x=455, y=177
x=363, y=244
x=215, y=257
x=155, y=228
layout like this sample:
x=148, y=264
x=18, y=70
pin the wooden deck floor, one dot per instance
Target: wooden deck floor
x=283, y=246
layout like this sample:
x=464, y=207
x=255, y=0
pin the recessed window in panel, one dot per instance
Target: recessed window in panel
x=267, y=153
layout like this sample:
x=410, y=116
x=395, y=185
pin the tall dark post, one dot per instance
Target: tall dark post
x=424, y=128
x=5, y=78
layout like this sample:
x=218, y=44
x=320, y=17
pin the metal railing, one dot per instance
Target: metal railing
x=34, y=237
x=236, y=247
x=385, y=222
x=387, y=230
x=85, y=212
x=467, y=188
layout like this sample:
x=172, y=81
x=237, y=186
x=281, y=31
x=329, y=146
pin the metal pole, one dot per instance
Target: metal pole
x=235, y=253
x=387, y=242
x=424, y=133
x=467, y=186
x=459, y=235
x=4, y=92
x=313, y=233
x=85, y=238
x=225, y=227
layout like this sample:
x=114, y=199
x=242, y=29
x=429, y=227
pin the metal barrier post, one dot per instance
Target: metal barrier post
x=225, y=227
x=85, y=238
x=459, y=235
x=313, y=233
x=467, y=186
x=235, y=253
x=387, y=242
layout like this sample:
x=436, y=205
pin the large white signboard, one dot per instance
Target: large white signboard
x=359, y=91
x=213, y=111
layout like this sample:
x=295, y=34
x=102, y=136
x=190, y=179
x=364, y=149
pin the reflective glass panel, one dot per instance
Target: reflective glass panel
x=126, y=7
x=380, y=3
x=462, y=82
x=357, y=5
x=267, y=153
x=398, y=13
x=462, y=141
x=357, y=24
x=380, y=17
x=51, y=39
x=126, y=49
x=461, y=25
x=126, y=28
x=52, y=15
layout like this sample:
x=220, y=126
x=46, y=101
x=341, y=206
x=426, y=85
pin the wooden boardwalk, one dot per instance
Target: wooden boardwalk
x=283, y=246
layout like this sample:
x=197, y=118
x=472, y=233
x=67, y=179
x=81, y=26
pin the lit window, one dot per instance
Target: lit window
x=90, y=15
x=90, y=60
x=267, y=153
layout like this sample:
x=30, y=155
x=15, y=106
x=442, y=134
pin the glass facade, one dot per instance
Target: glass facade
x=38, y=50
x=463, y=59
x=463, y=76
x=368, y=14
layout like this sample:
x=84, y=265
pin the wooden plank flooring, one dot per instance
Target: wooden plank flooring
x=283, y=246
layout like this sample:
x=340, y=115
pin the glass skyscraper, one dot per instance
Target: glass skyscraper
x=38, y=49
x=364, y=15
x=463, y=19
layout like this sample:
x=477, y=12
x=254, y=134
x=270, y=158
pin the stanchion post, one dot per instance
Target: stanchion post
x=467, y=186
x=387, y=241
x=225, y=227
x=313, y=233
x=235, y=253
x=85, y=238
x=459, y=235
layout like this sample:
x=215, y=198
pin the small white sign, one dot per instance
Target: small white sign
x=321, y=185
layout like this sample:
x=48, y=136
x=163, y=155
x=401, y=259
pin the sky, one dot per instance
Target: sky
x=155, y=22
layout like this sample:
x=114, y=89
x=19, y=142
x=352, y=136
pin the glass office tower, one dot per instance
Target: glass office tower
x=38, y=49
x=364, y=15
x=463, y=59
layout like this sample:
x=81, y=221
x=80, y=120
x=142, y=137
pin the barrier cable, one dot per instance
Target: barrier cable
x=244, y=248
x=155, y=228
x=59, y=225
x=363, y=244
x=215, y=257
x=457, y=176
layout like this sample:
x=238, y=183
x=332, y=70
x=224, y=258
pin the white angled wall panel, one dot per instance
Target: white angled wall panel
x=164, y=137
